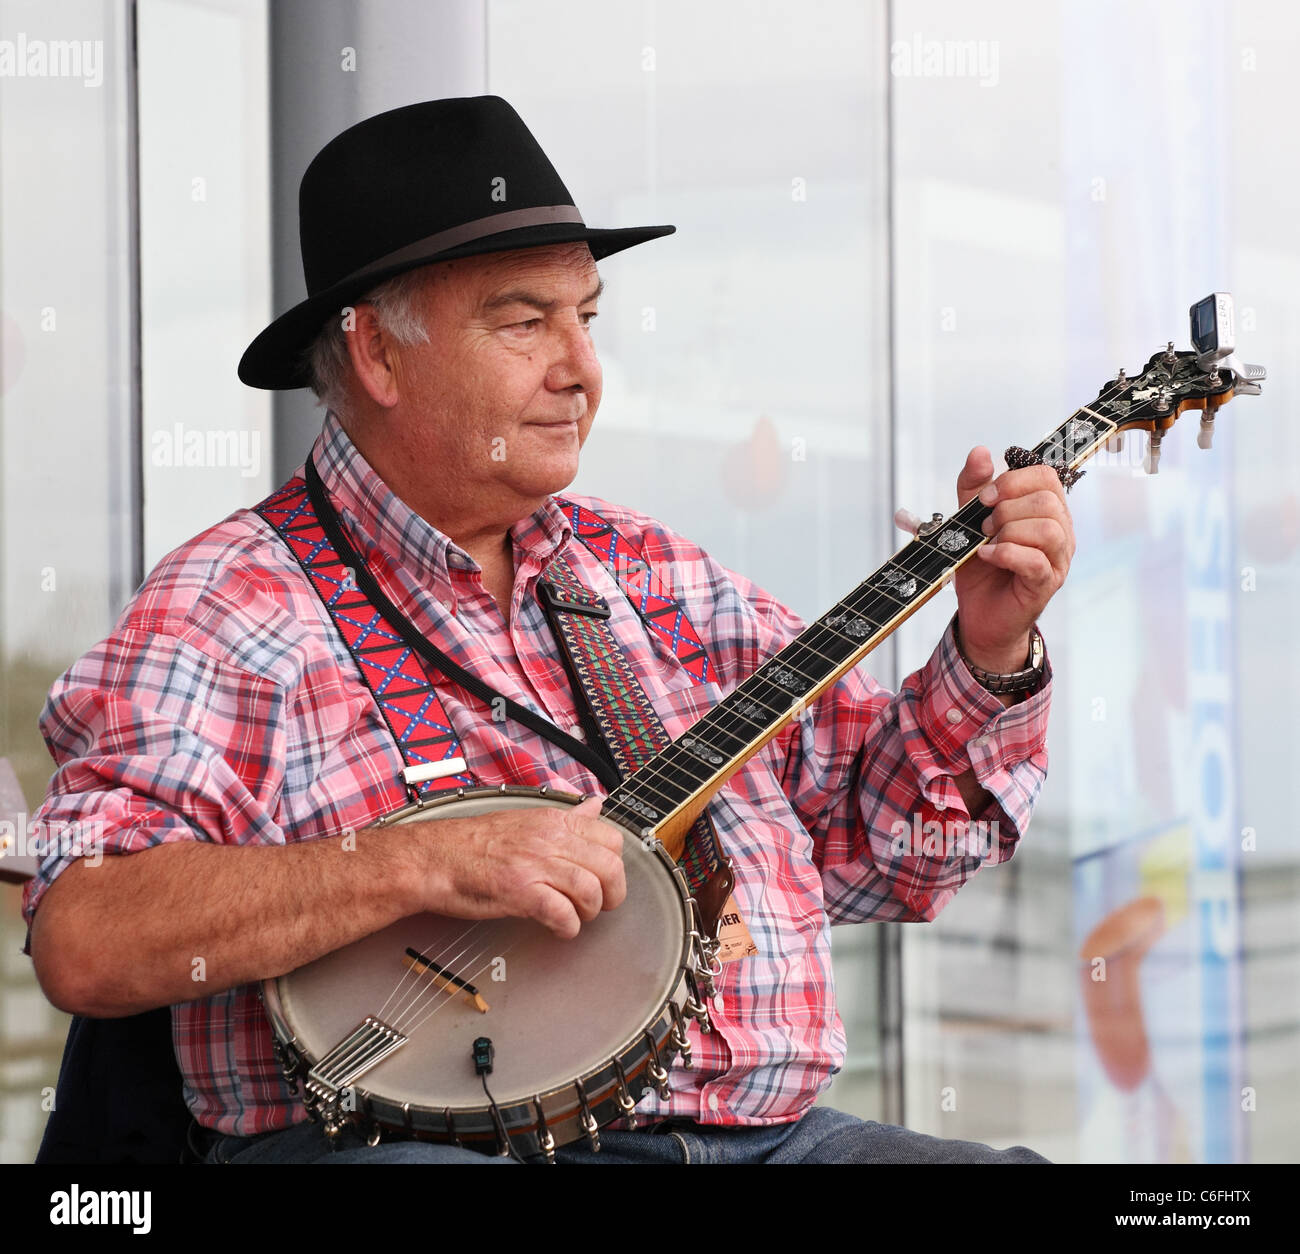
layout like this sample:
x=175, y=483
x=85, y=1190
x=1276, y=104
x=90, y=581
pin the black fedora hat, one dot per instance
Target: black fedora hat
x=427, y=182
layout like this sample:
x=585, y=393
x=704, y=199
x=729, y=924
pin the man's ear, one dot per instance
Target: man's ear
x=373, y=353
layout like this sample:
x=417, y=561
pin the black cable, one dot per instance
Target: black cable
x=509, y=1144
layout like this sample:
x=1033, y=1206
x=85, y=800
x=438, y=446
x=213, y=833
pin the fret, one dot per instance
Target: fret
x=779, y=693
x=815, y=654
x=678, y=759
x=712, y=729
x=1074, y=438
x=833, y=646
x=925, y=562
x=897, y=584
x=873, y=604
x=956, y=537
x=695, y=744
x=739, y=718
x=850, y=625
x=649, y=794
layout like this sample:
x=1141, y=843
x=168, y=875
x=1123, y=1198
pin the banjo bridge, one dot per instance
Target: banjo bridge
x=441, y=977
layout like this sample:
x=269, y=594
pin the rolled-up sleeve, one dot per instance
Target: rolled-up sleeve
x=155, y=740
x=873, y=776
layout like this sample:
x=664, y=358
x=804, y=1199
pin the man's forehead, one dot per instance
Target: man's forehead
x=548, y=275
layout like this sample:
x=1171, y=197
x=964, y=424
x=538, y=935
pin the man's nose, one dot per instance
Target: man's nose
x=575, y=363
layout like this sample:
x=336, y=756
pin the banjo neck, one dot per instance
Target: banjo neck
x=665, y=796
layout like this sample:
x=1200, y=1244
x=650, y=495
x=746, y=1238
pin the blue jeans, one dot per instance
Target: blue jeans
x=821, y=1136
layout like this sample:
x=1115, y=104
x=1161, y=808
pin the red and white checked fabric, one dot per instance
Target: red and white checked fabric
x=225, y=708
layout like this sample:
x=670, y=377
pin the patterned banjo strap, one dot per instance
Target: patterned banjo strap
x=393, y=672
x=626, y=720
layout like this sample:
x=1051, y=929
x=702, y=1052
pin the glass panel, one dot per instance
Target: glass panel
x=205, y=279
x=744, y=356
x=1124, y=989
x=68, y=506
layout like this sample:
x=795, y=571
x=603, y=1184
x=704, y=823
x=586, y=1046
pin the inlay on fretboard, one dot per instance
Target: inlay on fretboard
x=666, y=794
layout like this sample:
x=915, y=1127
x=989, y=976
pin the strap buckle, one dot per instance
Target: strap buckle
x=553, y=599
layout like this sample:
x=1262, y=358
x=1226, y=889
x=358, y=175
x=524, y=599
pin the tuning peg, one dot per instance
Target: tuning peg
x=1246, y=378
x=908, y=521
x=1205, y=437
x=1151, y=462
x=905, y=520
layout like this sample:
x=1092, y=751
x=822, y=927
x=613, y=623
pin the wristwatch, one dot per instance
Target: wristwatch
x=1025, y=680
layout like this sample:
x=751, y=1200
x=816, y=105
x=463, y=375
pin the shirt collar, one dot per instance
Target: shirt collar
x=377, y=518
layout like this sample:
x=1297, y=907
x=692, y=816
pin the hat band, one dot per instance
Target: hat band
x=493, y=224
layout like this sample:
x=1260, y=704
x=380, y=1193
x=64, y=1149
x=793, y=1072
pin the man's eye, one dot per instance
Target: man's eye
x=532, y=322
x=589, y=317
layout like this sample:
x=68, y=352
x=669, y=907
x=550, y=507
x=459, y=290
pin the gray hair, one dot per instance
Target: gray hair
x=397, y=307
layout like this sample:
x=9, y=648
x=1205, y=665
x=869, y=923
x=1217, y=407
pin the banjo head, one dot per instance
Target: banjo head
x=558, y=1011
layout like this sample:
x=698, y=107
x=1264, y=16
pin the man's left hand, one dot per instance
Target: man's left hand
x=1005, y=587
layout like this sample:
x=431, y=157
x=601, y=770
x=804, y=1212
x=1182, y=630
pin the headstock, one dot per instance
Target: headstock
x=1172, y=381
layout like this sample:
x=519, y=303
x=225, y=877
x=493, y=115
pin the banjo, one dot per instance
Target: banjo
x=499, y=1037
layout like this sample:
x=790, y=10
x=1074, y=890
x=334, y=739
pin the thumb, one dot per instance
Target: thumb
x=977, y=472
x=590, y=808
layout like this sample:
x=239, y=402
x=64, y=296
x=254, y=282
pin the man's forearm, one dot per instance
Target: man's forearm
x=977, y=799
x=186, y=920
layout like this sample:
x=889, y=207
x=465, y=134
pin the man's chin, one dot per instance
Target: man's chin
x=544, y=463
x=538, y=486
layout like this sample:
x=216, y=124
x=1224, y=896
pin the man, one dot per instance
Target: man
x=224, y=725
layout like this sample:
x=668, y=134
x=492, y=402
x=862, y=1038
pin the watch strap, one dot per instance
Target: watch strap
x=1024, y=680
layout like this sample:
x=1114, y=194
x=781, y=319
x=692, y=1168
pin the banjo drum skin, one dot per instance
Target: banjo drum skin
x=382, y=1032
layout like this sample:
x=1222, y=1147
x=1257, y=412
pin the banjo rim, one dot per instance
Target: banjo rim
x=575, y=1108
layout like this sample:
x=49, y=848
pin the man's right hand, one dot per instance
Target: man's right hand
x=560, y=865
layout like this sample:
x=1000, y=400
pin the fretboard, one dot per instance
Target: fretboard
x=701, y=760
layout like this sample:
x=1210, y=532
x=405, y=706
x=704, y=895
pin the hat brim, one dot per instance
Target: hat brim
x=274, y=360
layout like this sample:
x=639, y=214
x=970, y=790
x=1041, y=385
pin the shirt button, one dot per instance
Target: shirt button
x=954, y=715
x=940, y=805
x=576, y=731
x=979, y=742
x=717, y=1002
x=713, y=1101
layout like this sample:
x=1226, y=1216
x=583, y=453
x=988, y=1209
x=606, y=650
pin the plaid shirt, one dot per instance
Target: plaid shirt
x=224, y=707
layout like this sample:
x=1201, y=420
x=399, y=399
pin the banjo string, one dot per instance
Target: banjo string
x=430, y=1012
x=369, y=1048
x=656, y=771
x=364, y=1047
x=426, y=988
x=412, y=974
